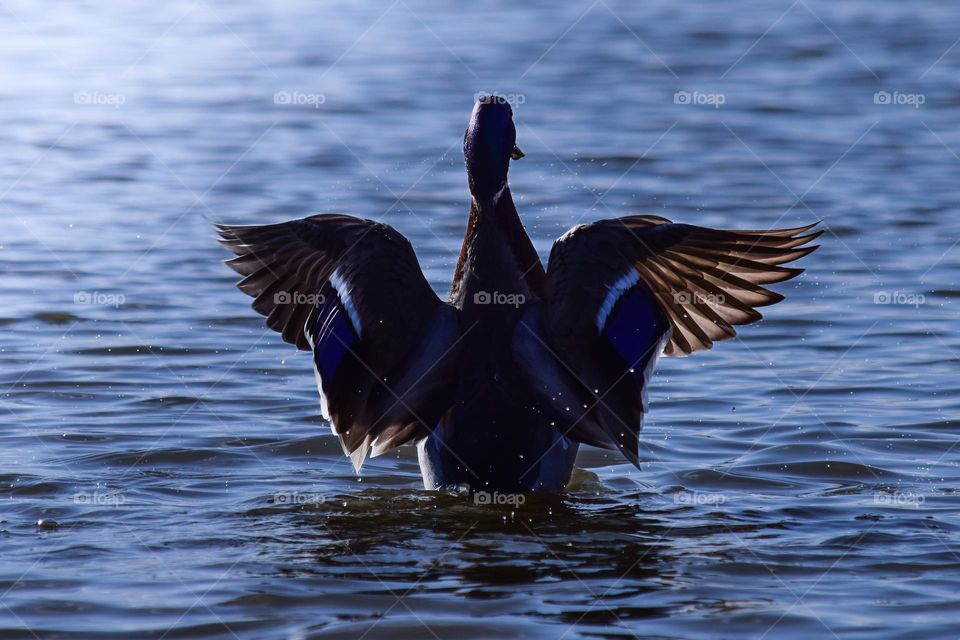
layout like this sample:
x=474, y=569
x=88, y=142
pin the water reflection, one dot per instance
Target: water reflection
x=799, y=482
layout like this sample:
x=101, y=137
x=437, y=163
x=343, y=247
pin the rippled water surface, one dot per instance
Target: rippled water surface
x=799, y=482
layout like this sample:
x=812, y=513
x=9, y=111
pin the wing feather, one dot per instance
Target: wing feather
x=379, y=385
x=695, y=286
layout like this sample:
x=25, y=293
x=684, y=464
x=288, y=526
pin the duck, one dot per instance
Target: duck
x=502, y=382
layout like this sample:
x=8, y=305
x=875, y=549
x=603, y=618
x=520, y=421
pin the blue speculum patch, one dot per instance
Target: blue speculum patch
x=635, y=328
x=332, y=337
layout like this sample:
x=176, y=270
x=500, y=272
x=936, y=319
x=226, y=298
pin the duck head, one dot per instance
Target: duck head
x=488, y=146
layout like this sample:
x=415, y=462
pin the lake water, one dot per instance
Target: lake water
x=800, y=481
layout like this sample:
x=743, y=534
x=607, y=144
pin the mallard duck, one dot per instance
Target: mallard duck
x=499, y=384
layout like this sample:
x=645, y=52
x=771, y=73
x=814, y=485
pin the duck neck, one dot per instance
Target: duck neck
x=497, y=257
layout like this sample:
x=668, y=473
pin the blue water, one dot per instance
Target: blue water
x=798, y=482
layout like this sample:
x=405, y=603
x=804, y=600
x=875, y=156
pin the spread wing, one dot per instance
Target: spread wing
x=351, y=291
x=618, y=292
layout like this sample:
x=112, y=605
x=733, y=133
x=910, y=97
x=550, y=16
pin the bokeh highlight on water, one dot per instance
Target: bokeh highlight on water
x=798, y=482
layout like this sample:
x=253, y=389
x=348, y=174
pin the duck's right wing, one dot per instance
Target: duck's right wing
x=385, y=347
x=620, y=291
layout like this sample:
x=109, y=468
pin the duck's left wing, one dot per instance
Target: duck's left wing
x=351, y=291
x=618, y=292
